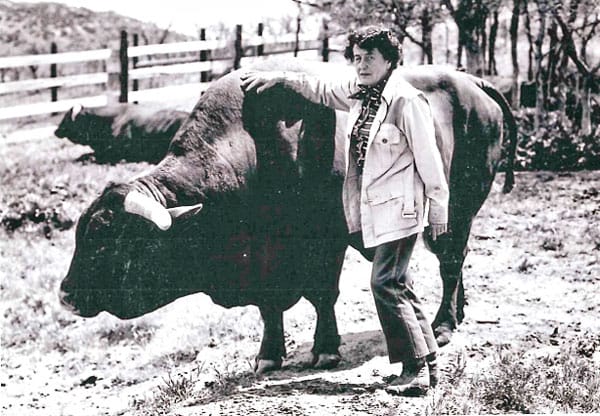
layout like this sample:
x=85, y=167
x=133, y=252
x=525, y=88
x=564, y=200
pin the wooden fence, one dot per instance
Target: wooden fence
x=137, y=63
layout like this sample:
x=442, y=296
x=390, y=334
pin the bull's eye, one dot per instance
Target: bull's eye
x=100, y=220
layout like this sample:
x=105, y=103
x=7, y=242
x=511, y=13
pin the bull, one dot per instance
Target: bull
x=246, y=207
x=122, y=131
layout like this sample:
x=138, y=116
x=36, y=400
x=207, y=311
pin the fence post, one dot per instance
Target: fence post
x=53, y=90
x=134, y=61
x=124, y=76
x=204, y=56
x=297, y=46
x=325, y=50
x=260, y=49
x=237, y=59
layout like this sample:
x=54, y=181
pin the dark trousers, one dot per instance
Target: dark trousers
x=407, y=332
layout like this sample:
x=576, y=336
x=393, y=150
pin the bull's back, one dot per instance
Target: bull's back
x=468, y=121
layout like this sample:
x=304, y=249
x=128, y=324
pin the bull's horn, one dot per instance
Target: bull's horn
x=144, y=206
x=186, y=209
x=76, y=110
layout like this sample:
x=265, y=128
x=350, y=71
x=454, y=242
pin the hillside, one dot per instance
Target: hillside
x=29, y=28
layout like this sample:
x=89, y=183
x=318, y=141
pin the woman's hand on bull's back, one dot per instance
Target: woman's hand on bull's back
x=261, y=80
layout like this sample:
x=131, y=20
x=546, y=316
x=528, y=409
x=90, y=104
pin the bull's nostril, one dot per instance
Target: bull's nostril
x=65, y=301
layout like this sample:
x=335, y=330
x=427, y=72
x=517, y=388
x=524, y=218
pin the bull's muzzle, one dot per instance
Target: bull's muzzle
x=65, y=302
x=77, y=307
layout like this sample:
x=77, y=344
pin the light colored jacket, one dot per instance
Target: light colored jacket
x=403, y=168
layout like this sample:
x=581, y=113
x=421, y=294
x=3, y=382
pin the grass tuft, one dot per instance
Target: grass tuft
x=225, y=384
x=172, y=391
x=178, y=390
x=139, y=333
x=514, y=382
x=193, y=390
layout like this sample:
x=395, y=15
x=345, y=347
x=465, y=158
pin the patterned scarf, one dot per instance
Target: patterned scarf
x=359, y=137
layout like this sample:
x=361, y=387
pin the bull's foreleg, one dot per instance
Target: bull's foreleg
x=326, y=344
x=272, y=348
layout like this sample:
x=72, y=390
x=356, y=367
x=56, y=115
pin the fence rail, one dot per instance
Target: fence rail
x=55, y=58
x=188, y=68
x=176, y=47
x=43, y=83
x=212, y=57
x=51, y=107
x=155, y=94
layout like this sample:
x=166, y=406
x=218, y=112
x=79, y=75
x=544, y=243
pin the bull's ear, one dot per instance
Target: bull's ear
x=184, y=210
x=75, y=110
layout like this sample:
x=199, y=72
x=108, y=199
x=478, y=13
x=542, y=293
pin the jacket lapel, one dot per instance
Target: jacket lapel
x=352, y=117
x=377, y=121
x=386, y=98
x=387, y=95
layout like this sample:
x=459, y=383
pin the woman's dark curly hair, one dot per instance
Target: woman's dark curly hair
x=371, y=37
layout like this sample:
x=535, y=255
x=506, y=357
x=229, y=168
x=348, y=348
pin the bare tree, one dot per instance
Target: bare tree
x=543, y=9
x=589, y=74
x=399, y=15
x=165, y=34
x=529, y=39
x=427, y=19
x=492, y=70
x=470, y=17
x=514, y=43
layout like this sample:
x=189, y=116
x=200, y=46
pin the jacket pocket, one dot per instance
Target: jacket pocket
x=388, y=144
x=386, y=206
x=390, y=135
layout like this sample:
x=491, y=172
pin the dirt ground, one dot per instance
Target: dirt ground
x=532, y=279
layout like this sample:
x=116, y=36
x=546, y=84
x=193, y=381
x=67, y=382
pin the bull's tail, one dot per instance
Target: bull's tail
x=510, y=143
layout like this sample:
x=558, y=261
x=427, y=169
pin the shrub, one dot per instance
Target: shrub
x=556, y=145
x=518, y=382
x=37, y=211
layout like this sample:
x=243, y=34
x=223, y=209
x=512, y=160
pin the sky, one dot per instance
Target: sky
x=186, y=16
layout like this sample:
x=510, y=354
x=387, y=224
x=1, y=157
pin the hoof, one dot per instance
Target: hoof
x=413, y=391
x=264, y=366
x=443, y=334
x=460, y=316
x=326, y=361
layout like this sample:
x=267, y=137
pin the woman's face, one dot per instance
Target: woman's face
x=370, y=66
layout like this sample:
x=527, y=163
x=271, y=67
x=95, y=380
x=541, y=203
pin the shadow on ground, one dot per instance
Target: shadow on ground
x=298, y=377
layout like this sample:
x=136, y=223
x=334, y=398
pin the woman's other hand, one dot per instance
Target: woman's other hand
x=437, y=230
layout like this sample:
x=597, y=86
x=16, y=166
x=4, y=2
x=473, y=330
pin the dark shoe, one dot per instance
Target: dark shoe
x=412, y=382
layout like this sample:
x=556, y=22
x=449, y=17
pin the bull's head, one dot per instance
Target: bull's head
x=67, y=124
x=125, y=254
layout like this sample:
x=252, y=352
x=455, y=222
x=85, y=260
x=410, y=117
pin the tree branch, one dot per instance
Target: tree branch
x=315, y=5
x=570, y=48
x=165, y=34
x=412, y=38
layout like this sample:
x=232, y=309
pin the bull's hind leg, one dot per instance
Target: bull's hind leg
x=272, y=347
x=323, y=296
x=451, y=250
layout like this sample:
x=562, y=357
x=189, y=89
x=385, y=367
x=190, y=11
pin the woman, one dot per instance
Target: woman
x=393, y=169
